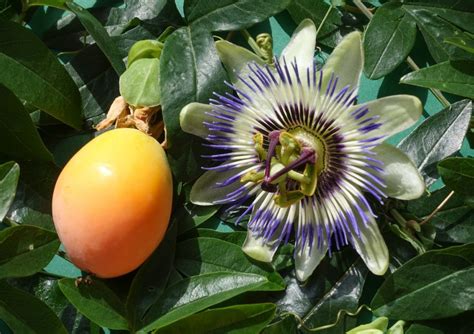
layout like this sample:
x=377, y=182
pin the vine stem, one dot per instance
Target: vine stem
x=253, y=44
x=324, y=19
x=436, y=92
x=439, y=207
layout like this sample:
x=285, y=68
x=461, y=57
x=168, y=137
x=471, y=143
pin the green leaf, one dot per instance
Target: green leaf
x=236, y=319
x=100, y=35
x=96, y=301
x=462, y=324
x=144, y=49
x=25, y=250
x=25, y=314
x=191, y=216
x=204, y=255
x=453, y=222
x=440, y=277
x=61, y=4
x=456, y=77
x=9, y=174
x=35, y=75
x=319, y=299
x=230, y=14
x=140, y=83
x=283, y=326
x=438, y=137
x=388, y=40
x=329, y=34
x=465, y=41
x=458, y=174
x=151, y=279
x=435, y=29
x=28, y=216
x=191, y=77
x=18, y=135
x=197, y=293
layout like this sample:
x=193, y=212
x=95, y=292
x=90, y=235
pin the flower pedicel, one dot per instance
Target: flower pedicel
x=294, y=142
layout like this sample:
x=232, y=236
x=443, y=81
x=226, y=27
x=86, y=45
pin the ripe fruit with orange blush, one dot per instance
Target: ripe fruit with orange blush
x=112, y=202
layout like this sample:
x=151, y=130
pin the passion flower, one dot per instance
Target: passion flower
x=294, y=141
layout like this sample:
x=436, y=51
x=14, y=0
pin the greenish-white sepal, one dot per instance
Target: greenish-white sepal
x=301, y=46
x=307, y=260
x=346, y=62
x=397, y=328
x=207, y=190
x=236, y=60
x=395, y=113
x=192, y=118
x=140, y=83
x=378, y=326
x=257, y=248
x=370, y=245
x=402, y=178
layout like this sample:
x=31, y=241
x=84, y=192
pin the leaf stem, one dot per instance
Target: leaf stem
x=436, y=92
x=398, y=217
x=253, y=44
x=439, y=207
x=324, y=19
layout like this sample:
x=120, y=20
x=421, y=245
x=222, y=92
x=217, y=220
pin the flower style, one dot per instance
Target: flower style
x=294, y=142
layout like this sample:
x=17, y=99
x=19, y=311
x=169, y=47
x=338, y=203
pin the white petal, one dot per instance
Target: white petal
x=236, y=59
x=396, y=113
x=192, y=118
x=257, y=249
x=346, y=62
x=206, y=191
x=401, y=176
x=371, y=246
x=306, y=261
x=301, y=46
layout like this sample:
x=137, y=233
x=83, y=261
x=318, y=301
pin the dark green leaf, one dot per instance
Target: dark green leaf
x=329, y=34
x=18, y=135
x=230, y=14
x=25, y=314
x=100, y=35
x=61, y=4
x=140, y=83
x=206, y=255
x=388, y=40
x=191, y=77
x=459, y=5
x=438, y=137
x=31, y=71
x=454, y=222
x=456, y=77
x=462, y=324
x=435, y=29
x=434, y=284
x=197, y=293
x=96, y=301
x=458, y=174
x=236, y=237
x=25, y=250
x=27, y=216
x=237, y=319
x=151, y=279
x=191, y=216
x=464, y=41
x=321, y=291
x=9, y=174
x=285, y=325
x=459, y=17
